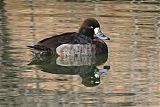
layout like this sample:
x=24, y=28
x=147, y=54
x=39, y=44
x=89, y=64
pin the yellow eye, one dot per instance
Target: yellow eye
x=91, y=27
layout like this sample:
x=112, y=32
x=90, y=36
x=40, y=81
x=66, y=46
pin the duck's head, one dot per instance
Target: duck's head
x=91, y=28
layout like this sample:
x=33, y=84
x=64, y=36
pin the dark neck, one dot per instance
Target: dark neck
x=87, y=32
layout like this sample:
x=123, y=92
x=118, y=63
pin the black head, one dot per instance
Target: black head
x=91, y=28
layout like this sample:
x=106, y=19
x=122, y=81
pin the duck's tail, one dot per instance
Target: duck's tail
x=32, y=47
x=40, y=48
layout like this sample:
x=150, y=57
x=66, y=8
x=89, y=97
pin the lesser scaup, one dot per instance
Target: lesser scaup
x=88, y=40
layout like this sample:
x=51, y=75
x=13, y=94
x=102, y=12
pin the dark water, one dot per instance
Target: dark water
x=129, y=78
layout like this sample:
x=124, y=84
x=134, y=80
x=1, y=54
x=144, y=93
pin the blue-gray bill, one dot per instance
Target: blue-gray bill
x=100, y=35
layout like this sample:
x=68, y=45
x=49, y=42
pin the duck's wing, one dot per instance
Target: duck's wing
x=51, y=43
x=59, y=39
x=66, y=38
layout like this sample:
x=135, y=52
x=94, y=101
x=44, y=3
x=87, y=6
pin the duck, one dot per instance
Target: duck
x=88, y=40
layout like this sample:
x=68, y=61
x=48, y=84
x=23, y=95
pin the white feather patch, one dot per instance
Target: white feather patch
x=75, y=49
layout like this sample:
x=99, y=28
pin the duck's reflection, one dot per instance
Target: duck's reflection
x=85, y=66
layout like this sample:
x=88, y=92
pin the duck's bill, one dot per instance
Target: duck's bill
x=100, y=35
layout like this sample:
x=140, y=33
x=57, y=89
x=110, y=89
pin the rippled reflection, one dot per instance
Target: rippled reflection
x=84, y=66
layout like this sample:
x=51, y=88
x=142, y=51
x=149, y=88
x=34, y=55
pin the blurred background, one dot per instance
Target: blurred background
x=134, y=53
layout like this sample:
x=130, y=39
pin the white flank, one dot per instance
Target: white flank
x=75, y=49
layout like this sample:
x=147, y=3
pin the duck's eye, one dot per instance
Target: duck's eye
x=91, y=27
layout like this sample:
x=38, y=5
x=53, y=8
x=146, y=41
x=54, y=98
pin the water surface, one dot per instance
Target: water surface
x=131, y=78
